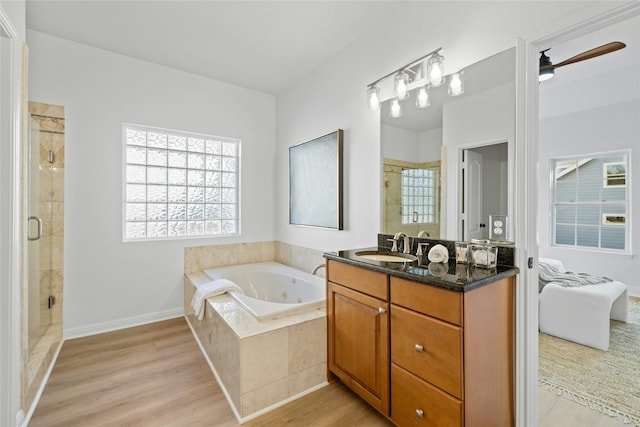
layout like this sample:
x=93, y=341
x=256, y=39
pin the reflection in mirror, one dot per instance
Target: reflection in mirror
x=411, y=195
x=487, y=195
x=415, y=143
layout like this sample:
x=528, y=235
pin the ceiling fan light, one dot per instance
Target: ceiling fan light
x=401, y=85
x=546, y=74
x=373, y=99
x=546, y=67
x=422, y=98
x=395, y=110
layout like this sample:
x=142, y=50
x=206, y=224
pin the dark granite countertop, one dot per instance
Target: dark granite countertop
x=452, y=276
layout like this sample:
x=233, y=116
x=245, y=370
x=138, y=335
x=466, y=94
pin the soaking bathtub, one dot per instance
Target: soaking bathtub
x=272, y=289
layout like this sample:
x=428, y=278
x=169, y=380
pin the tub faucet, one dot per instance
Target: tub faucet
x=406, y=247
x=318, y=267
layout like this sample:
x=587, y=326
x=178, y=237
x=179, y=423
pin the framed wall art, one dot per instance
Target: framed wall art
x=315, y=182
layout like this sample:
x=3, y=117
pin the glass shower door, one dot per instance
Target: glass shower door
x=39, y=282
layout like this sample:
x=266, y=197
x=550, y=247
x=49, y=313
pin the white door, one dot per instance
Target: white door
x=472, y=227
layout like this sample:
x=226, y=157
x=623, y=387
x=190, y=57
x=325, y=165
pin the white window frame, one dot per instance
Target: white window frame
x=581, y=159
x=195, y=201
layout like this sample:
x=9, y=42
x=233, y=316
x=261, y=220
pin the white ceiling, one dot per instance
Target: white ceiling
x=268, y=45
x=261, y=45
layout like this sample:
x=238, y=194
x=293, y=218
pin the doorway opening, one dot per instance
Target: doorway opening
x=484, y=192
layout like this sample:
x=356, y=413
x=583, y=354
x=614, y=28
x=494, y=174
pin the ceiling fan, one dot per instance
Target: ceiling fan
x=547, y=68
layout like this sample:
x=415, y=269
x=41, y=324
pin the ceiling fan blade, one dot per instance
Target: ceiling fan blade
x=592, y=53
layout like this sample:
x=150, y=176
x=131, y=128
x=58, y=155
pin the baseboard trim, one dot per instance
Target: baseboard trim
x=128, y=322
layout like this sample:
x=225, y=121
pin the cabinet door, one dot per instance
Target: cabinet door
x=358, y=332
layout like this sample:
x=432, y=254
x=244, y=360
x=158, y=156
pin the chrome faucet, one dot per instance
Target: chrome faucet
x=421, y=252
x=406, y=247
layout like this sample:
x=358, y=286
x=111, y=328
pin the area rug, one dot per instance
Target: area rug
x=605, y=381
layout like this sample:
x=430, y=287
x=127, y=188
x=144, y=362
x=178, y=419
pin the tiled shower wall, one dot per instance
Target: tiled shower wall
x=392, y=217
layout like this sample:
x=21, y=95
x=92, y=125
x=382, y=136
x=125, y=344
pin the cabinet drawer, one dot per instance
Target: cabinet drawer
x=430, y=300
x=427, y=347
x=415, y=402
x=366, y=281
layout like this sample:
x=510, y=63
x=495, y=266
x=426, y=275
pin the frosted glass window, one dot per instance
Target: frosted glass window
x=179, y=184
x=591, y=202
x=419, y=196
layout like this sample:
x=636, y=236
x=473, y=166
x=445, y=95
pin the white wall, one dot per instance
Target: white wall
x=108, y=283
x=430, y=145
x=488, y=117
x=608, y=128
x=399, y=143
x=334, y=97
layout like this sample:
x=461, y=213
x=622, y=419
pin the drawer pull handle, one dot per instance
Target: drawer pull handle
x=419, y=348
x=381, y=310
x=419, y=413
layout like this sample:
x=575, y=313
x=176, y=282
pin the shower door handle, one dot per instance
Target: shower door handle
x=39, y=234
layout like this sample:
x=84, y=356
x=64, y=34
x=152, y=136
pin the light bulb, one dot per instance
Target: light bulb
x=546, y=74
x=456, y=87
x=400, y=84
x=373, y=101
x=422, y=99
x=435, y=70
x=396, y=109
x=436, y=74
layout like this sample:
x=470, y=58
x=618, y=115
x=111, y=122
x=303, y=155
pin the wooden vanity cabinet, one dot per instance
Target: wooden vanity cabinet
x=358, y=331
x=423, y=355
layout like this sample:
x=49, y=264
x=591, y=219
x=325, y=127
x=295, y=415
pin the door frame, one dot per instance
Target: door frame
x=11, y=59
x=590, y=19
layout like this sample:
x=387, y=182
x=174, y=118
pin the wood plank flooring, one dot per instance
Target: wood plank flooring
x=155, y=375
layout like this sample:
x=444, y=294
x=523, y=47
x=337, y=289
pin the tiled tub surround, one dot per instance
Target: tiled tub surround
x=259, y=364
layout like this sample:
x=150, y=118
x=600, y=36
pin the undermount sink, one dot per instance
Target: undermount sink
x=386, y=256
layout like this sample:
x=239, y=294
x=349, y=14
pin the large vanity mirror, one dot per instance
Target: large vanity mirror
x=424, y=190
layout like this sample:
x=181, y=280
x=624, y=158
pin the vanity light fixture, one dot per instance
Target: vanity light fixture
x=456, y=85
x=435, y=70
x=405, y=79
x=422, y=98
x=420, y=75
x=401, y=85
x=396, y=109
x=373, y=101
